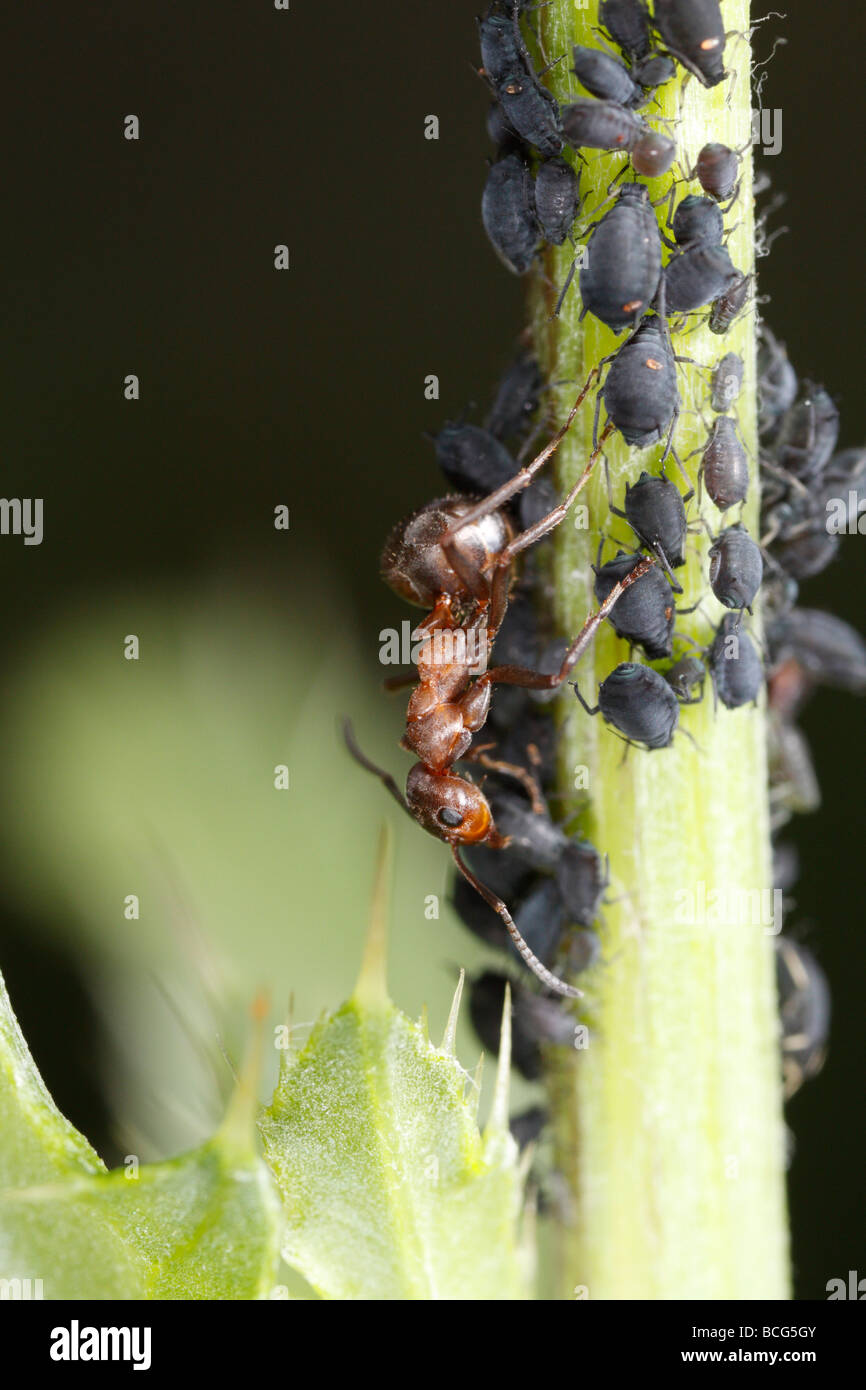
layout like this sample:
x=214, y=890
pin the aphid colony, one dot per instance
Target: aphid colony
x=456, y=557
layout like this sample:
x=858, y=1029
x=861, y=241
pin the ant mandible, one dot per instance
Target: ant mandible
x=454, y=557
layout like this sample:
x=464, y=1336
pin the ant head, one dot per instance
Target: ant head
x=450, y=808
x=415, y=565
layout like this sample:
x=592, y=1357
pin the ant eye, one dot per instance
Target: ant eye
x=450, y=817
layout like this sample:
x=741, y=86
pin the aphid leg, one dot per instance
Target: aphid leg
x=669, y=199
x=617, y=511
x=576, y=688
x=732, y=74
x=690, y=361
x=384, y=777
x=597, y=414
x=665, y=564
x=684, y=612
x=687, y=497
x=529, y=443
x=540, y=971
x=784, y=476
x=548, y=65
x=564, y=291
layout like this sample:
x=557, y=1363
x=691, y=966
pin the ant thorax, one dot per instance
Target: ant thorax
x=445, y=710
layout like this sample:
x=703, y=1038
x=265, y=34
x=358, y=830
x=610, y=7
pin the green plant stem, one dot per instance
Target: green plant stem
x=668, y=1126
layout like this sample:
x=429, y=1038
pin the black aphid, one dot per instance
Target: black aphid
x=806, y=434
x=534, y=1019
x=697, y=220
x=726, y=382
x=825, y=647
x=777, y=381
x=736, y=568
x=581, y=878
x=640, y=391
x=516, y=399
x=508, y=213
x=735, y=665
x=724, y=470
x=686, y=675
x=694, y=32
x=717, y=170
x=627, y=23
x=605, y=125
x=639, y=703
x=804, y=1008
x=730, y=303
x=655, y=511
x=557, y=195
x=645, y=614
x=623, y=263
x=606, y=77
x=471, y=458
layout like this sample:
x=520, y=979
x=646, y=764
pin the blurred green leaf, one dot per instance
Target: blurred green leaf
x=205, y=1225
x=390, y=1190
x=156, y=778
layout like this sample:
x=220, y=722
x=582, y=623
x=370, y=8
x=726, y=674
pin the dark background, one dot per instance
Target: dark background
x=156, y=257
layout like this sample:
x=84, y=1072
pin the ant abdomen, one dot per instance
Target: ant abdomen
x=416, y=566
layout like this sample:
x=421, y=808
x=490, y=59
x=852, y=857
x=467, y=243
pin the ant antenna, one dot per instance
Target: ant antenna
x=384, y=777
x=541, y=971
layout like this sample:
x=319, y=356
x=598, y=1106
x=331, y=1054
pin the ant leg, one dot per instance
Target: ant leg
x=498, y=603
x=503, y=494
x=384, y=777
x=400, y=682
x=549, y=522
x=520, y=774
x=537, y=680
x=541, y=971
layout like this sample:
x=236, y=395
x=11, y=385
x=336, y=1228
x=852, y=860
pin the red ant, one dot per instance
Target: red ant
x=453, y=557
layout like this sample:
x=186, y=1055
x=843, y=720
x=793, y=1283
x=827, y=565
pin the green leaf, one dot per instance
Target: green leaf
x=205, y=1225
x=390, y=1190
